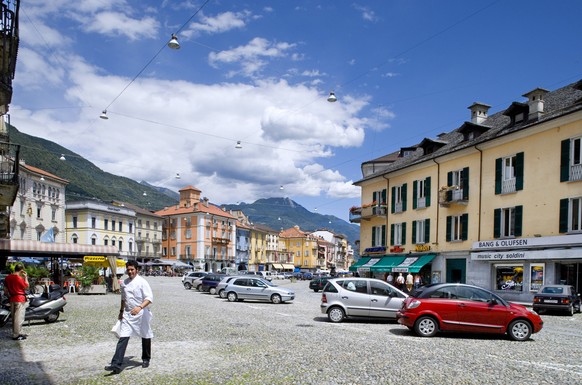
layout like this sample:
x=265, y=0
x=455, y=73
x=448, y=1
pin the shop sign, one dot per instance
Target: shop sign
x=421, y=248
x=517, y=243
x=404, y=266
x=397, y=249
x=527, y=254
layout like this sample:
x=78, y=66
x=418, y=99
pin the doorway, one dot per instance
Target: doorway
x=456, y=270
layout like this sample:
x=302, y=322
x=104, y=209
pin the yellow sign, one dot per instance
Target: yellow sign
x=100, y=261
x=421, y=248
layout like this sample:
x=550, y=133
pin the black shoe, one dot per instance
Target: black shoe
x=114, y=369
x=145, y=364
x=19, y=338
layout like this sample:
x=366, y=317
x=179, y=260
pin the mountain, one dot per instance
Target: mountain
x=283, y=213
x=88, y=181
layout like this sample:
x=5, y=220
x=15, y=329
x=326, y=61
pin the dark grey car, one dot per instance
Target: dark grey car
x=557, y=297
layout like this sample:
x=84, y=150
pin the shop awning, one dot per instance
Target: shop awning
x=44, y=249
x=413, y=264
x=387, y=263
x=366, y=263
x=277, y=266
x=288, y=266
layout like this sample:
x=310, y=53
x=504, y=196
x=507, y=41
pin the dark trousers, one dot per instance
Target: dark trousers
x=146, y=351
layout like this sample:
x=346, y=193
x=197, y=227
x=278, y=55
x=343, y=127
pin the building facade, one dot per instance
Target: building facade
x=496, y=202
x=148, y=233
x=39, y=208
x=304, y=248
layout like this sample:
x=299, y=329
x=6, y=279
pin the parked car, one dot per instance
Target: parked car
x=557, y=297
x=317, y=284
x=466, y=308
x=251, y=288
x=210, y=282
x=222, y=284
x=360, y=297
x=261, y=274
x=189, y=279
x=306, y=275
x=193, y=274
x=288, y=275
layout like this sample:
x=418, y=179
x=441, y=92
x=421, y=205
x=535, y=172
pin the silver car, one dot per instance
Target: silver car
x=360, y=297
x=222, y=284
x=252, y=288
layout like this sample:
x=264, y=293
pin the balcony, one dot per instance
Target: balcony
x=220, y=241
x=9, y=158
x=8, y=51
x=576, y=172
x=357, y=214
x=452, y=195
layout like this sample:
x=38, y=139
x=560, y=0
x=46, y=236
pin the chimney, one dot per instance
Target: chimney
x=535, y=101
x=205, y=201
x=478, y=112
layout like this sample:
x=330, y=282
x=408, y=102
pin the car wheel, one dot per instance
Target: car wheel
x=336, y=314
x=52, y=318
x=316, y=290
x=276, y=298
x=571, y=310
x=578, y=308
x=188, y=285
x=212, y=290
x=426, y=327
x=519, y=330
x=199, y=287
x=232, y=297
x=221, y=293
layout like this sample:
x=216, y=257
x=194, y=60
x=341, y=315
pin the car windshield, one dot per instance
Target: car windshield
x=553, y=290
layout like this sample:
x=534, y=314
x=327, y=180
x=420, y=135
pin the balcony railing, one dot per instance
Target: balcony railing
x=9, y=160
x=8, y=50
x=359, y=213
x=451, y=194
x=220, y=241
x=576, y=172
x=508, y=186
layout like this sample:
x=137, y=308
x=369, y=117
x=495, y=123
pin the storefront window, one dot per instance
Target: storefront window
x=537, y=276
x=509, y=277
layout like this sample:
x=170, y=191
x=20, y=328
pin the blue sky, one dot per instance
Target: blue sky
x=259, y=72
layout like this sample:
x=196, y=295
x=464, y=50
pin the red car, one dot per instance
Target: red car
x=466, y=308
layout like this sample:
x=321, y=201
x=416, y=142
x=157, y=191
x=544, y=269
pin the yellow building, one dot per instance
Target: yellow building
x=497, y=202
x=304, y=247
x=264, y=244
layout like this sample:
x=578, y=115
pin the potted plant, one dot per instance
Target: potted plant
x=89, y=281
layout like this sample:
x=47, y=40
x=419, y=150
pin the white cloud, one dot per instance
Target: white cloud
x=117, y=24
x=218, y=24
x=367, y=13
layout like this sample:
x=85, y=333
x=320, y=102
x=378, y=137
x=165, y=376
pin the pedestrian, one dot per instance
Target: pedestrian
x=15, y=285
x=409, y=282
x=390, y=278
x=417, y=281
x=400, y=281
x=135, y=317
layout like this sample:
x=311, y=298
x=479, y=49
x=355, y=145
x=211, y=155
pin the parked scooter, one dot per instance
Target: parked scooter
x=46, y=306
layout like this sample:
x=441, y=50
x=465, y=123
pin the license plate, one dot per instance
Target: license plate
x=551, y=301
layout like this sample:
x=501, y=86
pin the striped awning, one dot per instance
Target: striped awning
x=288, y=266
x=277, y=266
x=20, y=247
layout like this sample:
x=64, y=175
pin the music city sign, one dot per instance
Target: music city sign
x=563, y=246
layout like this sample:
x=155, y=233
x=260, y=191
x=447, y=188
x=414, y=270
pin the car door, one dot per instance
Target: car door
x=479, y=313
x=355, y=297
x=256, y=289
x=443, y=302
x=384, y=301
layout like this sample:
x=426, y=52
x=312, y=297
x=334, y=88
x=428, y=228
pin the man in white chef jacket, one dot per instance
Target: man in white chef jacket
x=135, y=317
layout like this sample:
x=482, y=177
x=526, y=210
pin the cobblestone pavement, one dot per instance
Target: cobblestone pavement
x=200, y=339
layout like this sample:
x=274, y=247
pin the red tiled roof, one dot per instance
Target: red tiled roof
x=202, y=208
x=42, y=172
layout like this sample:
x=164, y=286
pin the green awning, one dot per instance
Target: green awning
x=365, y=263
x=413, y=264
x=387, y=263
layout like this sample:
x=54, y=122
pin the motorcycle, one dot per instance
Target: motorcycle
x=46, y=306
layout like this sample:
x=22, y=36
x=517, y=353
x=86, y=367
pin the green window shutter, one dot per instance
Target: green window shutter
x=404, y=233
x=465, y=178
x=565, y=161
x=383, y=196
x=427, y=191
x=375, y=196
x=393, y=200
x=518, y=220
x=497, y=223
x=413, y=232
x=449, y=225
x=465, y=227
x=414, y=193
x=519, y=171
x=498, y=175
x=383, y=235
x=449, y=183
x=404, y=195
x=373, y=236
x=392, y=234
x=564, y=206
x=427, y=230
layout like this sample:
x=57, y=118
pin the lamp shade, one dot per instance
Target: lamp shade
x=104, y=115
x=173, y=43
x=331, y=98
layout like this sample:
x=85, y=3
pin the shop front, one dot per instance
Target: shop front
x=517, y=268
x=380, y=266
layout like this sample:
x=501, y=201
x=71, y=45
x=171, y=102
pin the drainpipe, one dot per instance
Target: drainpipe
x=387, y=194
x=480, y=190
x=438, y=204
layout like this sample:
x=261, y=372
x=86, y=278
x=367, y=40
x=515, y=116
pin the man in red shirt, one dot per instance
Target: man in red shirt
x=14, y=286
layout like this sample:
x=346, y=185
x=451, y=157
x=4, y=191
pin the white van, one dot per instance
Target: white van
x=267, y=275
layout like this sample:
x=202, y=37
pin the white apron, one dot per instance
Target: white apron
x=134, y=292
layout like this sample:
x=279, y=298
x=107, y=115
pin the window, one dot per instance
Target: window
x=113, y=242
x=188, y=252
x=120, y=226
x=571, y=160
x=93, y=240
x=53, y=214
x=173, y=251
x=457, y=227
x=93, y=222
x=537, y=276
x=509, y=277
x=106, y=241
x=379, y=202
x=458, y=183
x=379, y=236
x=38, y=212
x=130, y=246
x=105, y=224
x=507, y=222
x=74, y=238
x=421, y=193
x=421, y=231
x=398, y=234
x=38, y=234
x=112, y=225
x=509, y=174
x=571, y=215
x=120, y=244
x=399, y=198
x=74, y=222
x=188, y=233
x=130, y=227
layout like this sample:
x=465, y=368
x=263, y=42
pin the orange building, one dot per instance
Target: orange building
x=196, y=231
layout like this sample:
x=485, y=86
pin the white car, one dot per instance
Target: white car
x=242, y=288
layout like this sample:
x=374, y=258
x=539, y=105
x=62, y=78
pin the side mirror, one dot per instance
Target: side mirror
x=493, y=301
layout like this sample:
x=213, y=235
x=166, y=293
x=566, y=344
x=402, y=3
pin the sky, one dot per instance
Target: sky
x=260, y=72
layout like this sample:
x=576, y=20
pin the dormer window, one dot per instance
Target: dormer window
x=471, y=130
x=517, y=112
x=429, y=145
